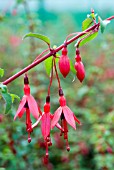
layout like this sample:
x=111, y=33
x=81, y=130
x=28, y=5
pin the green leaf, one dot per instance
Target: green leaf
x=39, y=36
x=8, y=101
x=92, y=16
x=86, y=23
x=48, y=64
x=103, y=24
x=72, y=67
x=14, y=96
x=89, y=38
x=1, y=72
x=20, y=1
x=3, y=88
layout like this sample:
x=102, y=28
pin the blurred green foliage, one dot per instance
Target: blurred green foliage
x=92, y=144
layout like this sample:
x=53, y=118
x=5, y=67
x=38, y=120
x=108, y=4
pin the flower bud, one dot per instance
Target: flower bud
x=80, y=70
x=79, y=66
x=64, y=63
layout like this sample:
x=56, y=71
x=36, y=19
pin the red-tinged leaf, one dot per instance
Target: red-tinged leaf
x=33, y=106
x=45, y=125
x=56, y=117
x=21, y=105
x=21, y=112
x=69, y=116
x=75, y=118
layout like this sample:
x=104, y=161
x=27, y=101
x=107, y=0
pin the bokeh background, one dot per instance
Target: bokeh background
x=92, y=144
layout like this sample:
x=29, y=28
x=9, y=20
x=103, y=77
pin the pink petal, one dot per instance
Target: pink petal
x=69, y=116
x=75, y=118
x=56, y=117
x=59, y=127
x=36, y=123
x=33, y=106
x=45, y=125
x=21, y=106
x=21, y=112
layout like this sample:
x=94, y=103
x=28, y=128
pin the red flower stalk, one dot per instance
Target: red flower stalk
x=79, y=66
x=64, y=63
x=27, y=104
x=66, y=115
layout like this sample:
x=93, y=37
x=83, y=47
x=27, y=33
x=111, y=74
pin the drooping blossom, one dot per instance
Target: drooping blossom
x=45, y=119
x=66, y=115
x=79, y=66
x=28, y=105
x=64, y=63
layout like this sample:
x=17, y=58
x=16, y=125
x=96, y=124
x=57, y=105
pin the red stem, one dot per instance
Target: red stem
x=57, y=74
x=110, y=18
x=48, y=55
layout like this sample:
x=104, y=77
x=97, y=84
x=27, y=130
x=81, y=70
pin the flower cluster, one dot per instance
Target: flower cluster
x=64, y=64
x=47, y=120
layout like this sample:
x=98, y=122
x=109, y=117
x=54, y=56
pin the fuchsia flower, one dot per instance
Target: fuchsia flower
x=28, y=105
x=79, y=66
x=45, y=119
x=66, y=115
x=64, y=63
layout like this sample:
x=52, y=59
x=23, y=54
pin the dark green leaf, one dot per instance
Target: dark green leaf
x=14, y=96
x=89, y=38
x=39, y=36
x=1, y=72
x=8, y=101
x=86, y=23
x=103, y=24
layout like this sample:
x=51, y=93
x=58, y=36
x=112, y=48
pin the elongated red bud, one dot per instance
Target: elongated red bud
x=79, y=66
x=80, y=70
x=64, y=63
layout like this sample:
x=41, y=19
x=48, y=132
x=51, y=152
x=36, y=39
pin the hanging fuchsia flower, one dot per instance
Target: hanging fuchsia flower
x=28, y=105
x=45, y=119
x=79, y=66
x=66, y=115
x=29, y=100
x=64, y=63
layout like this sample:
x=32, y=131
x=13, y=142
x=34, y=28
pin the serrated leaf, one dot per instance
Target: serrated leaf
x=48, y=64
x=103, y=24
x=3, y=88
x=14, y=96
x=86, y=23
x=39, y=36
x=89, y=38
x=1, y=72
x=8, y=101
